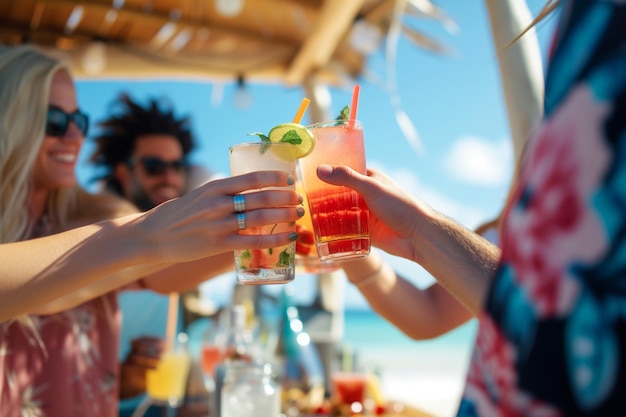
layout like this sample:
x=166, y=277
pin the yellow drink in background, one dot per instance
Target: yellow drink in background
x=168, y=381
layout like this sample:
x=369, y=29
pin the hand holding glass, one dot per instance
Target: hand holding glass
x=269, y=265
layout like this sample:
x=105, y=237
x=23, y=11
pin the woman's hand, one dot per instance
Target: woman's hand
x=204, y=222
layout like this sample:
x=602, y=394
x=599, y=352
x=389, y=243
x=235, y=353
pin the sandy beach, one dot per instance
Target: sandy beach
x=431, y=384
x=428, y=375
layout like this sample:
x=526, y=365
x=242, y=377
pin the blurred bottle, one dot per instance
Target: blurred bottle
x=237, y=346
x=237, y=349
x=300, y=369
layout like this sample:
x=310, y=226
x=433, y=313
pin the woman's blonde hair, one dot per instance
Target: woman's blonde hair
x=25, y=77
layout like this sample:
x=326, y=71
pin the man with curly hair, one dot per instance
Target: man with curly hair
x=143, y=152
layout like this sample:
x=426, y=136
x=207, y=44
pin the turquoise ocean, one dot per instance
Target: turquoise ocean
x=369, y=333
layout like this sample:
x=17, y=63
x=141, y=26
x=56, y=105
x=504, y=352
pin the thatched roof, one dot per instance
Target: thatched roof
x=275, y=40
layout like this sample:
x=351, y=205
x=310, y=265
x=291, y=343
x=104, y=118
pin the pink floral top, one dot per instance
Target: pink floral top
x=66, y=367
x=552, y=336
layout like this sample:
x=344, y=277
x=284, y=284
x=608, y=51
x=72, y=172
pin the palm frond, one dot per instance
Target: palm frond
x=425, y=8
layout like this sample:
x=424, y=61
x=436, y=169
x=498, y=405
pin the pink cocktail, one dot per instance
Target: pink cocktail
x=339, y=215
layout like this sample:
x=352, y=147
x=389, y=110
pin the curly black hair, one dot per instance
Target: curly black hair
x=116, y=142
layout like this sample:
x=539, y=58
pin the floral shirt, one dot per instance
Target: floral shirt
x=62, y=365
x=552, y=336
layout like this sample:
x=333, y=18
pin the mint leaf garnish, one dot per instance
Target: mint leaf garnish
x=291, y=136
x=284, y=258
x=344, y=113
x=263, y=137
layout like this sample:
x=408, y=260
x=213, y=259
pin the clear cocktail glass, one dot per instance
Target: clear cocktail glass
x=269, y=265
x=339, y=214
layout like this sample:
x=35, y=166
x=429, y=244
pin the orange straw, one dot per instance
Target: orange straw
x=354, y=105
x=303, y=106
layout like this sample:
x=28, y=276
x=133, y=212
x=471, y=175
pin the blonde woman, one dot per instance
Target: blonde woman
x=62, y=261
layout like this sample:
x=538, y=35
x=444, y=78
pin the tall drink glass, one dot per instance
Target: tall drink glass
x=339, y=215
x=307, y=258
x=269, y=265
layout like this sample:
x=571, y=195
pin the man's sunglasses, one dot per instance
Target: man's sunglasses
x=58, y=121
x=155, y=166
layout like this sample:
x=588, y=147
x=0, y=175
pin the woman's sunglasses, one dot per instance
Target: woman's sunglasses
x=155, y=166
x=58, y=121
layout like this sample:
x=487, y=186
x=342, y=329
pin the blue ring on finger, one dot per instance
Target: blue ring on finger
x=241, y=221
x=239, y=202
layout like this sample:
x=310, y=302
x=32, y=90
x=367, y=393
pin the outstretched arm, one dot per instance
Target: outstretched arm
x=461, y=261
x=38, y=271
x=418, y=313
x=75, y=266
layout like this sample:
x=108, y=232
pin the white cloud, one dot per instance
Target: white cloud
x=478, y=161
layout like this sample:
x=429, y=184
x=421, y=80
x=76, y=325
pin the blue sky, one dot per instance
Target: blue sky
x=454, y=101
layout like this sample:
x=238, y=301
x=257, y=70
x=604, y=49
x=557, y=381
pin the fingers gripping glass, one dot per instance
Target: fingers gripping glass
x=156, y=166
x=58, y=122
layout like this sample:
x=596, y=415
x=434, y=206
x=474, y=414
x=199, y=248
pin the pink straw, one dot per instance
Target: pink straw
x=354, y=105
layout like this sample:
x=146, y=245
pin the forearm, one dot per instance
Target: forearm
x=185, y=276
x=161, y=278
x=463, y=262
x=197, y=225
x=38, y=271
x=98, y=287
x=419, y=313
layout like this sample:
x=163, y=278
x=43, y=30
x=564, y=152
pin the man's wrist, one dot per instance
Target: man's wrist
x=371, y=277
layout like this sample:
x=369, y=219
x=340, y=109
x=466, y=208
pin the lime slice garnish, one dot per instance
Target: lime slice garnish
x=297, y=135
